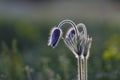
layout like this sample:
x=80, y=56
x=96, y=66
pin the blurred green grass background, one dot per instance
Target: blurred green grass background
x=24, y=54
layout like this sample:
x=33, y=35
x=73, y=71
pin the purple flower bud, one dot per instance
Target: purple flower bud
x=70, y=33
x=55, y=36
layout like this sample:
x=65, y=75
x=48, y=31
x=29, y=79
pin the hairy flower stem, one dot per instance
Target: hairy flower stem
x=85, y=68
x=80, y=68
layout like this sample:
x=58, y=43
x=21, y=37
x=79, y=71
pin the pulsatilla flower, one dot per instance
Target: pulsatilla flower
x=77, y=41
x=55, y=36
x=73, y=44
x=70, y=33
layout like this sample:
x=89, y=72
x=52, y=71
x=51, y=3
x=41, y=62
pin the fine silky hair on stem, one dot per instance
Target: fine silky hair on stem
x=69, y=22
x=79, y=59
x=77, y=41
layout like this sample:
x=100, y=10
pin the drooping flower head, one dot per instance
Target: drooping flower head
x=55, y=36
x=77, y=41
x=70, y=33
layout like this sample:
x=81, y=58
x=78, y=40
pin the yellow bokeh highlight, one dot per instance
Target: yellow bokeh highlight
x=111, y=53
x=112, y=49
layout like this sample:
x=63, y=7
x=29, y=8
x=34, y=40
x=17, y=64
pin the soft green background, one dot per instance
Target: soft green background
x=24, y=54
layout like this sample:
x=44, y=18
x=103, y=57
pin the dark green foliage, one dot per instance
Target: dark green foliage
x=11, y=63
